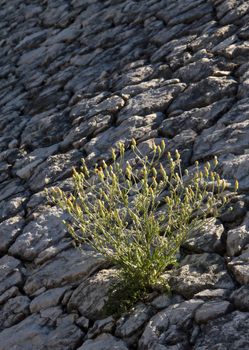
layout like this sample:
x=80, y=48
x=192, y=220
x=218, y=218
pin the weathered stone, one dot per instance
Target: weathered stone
x=14, y=311
x=9, y=231
x=203, y=93
x=176, y=317
x=132, y=323
x=11, y=273
x=155, y=100
x=206, y=238
x=237, y=238
x=240, y=298
x=230, y=331
x=68, y=267
x=104, y=342
x=240, y=267
x=199, y=272
x=197, y=119
x=105, y=325
x=47, y=230
x=33, y=334
x=91, y=296
x=212, y=310
x=45, y=300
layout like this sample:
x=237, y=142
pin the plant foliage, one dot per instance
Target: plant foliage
x=137, y=213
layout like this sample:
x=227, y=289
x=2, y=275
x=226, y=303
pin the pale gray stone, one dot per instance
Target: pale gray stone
x=199, y=272
x=240, y=298
x=104, y=342
x=50, y=298
x=206, y=238
x=91, y=296
x=47, y=230
x=11, y=273
x=227, y=332
x=238, y=238
x=33, y=334
x=9, y=231
x=176, y=315
x=212, y=310
x=14, y=311
x=68, y=267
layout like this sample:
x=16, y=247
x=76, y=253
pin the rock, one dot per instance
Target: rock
x=229, y=331
x=240, y=267
x=240, y=298
x=204, y=93
x=238, y=238
x=11, y=273
x=199, y=272
x=107, y=106
x=216, y=294
x=53, y=169
x=164, y=300
x=51, y=297
x=128, y=325
x=45, y=231
x=197, y=119
x=9, y=293
x=166, y=323
x=9, y=231
x=68, y=267
x=91, y=296
x=216, y=140
x=14, y=311
x=206, y=238
x=134, y=127
x=33, y=334
x=155, y=100
x=105, y=325
x=104, y=342
x=212, y=310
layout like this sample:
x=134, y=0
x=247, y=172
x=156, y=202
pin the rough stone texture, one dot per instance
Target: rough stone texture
x=76, y=77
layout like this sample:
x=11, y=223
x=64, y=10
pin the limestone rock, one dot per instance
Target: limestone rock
x=104, y=342
x=199, y=272
x=68, y=267
x=91, y=296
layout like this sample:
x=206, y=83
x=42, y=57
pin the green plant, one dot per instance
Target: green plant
x=138, y=213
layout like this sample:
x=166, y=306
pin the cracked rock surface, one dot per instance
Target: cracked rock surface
x=76, y=77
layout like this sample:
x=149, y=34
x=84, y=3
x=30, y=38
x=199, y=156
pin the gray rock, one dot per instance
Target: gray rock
x=230, y=331
x=14, y=311
x=197, y=119
x=199, y=272
x=91, y=296
x=154, y=100
x=9, y=231
x=104, y=342
x=215, y=294
x=105, y=325
x=47, y=230
x=240, y=298
x=68, y=267
x=45, y=300
x=132, y=323
x=176, y=317
x=33, y=334
x=11, y=273
x=240, y=267
x=204, y=93
x=212, y=310
x=238, y=238
x=206, y=238
x=9, y=293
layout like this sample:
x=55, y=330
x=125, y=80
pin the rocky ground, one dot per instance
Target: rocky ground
x=76, y=77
